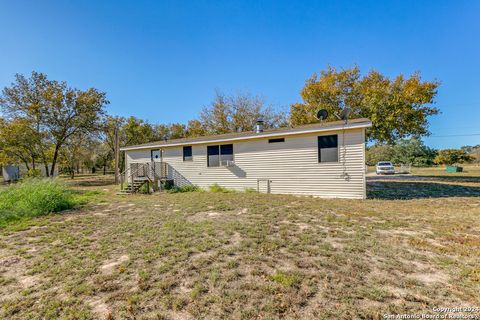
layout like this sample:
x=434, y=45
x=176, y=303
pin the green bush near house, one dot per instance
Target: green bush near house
x=186, y=188
x=218, y=188
x=32, y=198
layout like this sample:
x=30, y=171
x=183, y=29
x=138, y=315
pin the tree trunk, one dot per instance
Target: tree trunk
x=72, y=173
x=104, y=169
x=45, y=163
x=46, y=169
x=54, y=160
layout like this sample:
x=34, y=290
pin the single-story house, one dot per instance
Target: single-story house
x=325, y=159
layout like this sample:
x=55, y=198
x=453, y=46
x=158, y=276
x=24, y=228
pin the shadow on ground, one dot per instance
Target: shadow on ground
x=472, y=179
x=396, y=189
x=91, y=182
x=446, y=178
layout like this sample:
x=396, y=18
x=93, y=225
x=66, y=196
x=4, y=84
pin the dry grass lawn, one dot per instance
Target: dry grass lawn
x=412, y=246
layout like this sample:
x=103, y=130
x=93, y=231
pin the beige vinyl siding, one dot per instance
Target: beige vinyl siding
x=292, y=166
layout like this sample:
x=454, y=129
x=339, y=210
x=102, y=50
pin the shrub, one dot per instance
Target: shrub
x=145, y=188
x=286, y=279
x=33, y=197
x=453, y=156
x=250, y=190
x=218, y=188
x=34, y=173
x=186, y=188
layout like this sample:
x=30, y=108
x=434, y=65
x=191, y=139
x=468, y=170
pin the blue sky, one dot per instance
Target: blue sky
x=163, y=60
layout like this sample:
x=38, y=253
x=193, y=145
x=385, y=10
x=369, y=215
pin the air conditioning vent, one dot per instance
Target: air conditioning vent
x=227, y=163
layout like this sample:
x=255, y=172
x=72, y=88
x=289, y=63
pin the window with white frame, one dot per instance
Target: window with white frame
x=328, y=148
x=187, y=153
x=219, y=155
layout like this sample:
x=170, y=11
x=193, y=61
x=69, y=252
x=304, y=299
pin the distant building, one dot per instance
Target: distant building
x=10, y=173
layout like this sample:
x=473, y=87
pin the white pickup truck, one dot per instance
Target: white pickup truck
x=385, y=167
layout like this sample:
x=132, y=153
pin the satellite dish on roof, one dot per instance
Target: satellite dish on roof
x=322, y=114
x=345, y=113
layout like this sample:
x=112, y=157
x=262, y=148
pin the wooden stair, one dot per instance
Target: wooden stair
x=134, y=186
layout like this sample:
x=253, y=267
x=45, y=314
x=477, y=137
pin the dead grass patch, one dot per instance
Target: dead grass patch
x=242, y=256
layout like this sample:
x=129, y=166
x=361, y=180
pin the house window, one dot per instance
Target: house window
x=219, y=154
x=275, y=140
x=226, y=153
x=213, y=159
x=328, y=148
x=155, y=155
x=187, y=153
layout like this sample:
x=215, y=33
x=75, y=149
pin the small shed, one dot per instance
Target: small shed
x=10, y=173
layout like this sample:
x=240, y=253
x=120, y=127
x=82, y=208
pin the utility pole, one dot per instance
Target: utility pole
x=117, y=153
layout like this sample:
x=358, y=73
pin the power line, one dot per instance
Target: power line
x=455, y=135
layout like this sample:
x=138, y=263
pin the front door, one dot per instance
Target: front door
x=156, y=155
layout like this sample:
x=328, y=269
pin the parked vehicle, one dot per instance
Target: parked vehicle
x=385, y=167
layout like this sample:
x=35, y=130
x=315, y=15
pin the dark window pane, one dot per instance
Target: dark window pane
x=328, y=141
x=226, y=149
x=275, y=140
x=328, y=148
x=187, y=153
x=226, y=153
x=213, y=159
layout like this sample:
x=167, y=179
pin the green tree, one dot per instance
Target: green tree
x=195, y=129
x=18, y=143
x=377, y=153
x=413, y=151
x=137, y=131
x=215, y=118
x=453, y=156
x=53, y=110
x=398, y=107
x=177, y=131
x=473, y=151
x=25, y=101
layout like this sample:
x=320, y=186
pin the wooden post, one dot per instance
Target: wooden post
x=117, y=154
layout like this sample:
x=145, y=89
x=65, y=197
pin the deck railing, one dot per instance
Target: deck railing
x=151, y=171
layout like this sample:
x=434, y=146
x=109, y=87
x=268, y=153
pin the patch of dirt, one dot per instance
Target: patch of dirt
x=185, y=286
x=430, y=277
x=28, y=281
x=236, y=239
x=211, y=214
x=99, y=308
x=109, y=266
x=243, y=211
x=400, y=232
x=302, y=226
x=181, y=315
x=334, y=242
x=201, y=255
x=8, y=261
